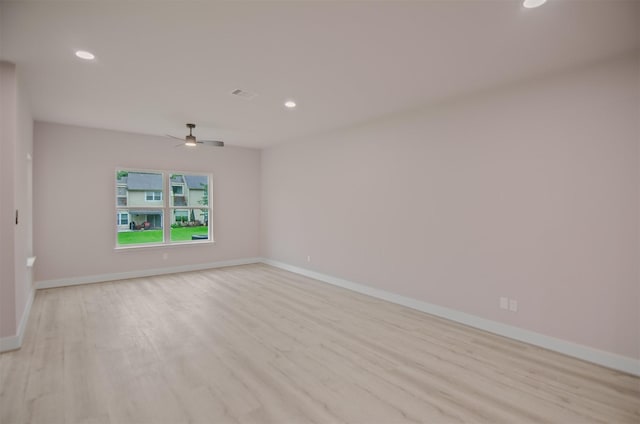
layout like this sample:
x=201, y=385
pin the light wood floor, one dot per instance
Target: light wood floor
x=255, y=344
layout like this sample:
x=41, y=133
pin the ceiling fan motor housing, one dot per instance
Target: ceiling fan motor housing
x=190, y=140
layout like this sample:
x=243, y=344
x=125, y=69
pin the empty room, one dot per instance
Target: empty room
x=366, y=212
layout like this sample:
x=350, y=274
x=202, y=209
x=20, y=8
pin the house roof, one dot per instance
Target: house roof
x=196, y=181
x=144, y=181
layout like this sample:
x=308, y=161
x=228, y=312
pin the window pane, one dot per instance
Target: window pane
x=189, y=190
x=123, y=218
x=180, y=217
x=188, y=225
x=144, y=226
x=139, y=188
x=151, y=196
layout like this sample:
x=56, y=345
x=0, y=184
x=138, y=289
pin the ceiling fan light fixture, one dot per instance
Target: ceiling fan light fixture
x=190, y=141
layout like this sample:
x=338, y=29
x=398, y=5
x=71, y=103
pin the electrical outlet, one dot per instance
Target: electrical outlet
x=513, y=305
x=504, y=303
x=308, y=258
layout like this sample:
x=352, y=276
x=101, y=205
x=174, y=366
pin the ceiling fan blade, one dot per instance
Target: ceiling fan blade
x=177, y=138
x=214, y=143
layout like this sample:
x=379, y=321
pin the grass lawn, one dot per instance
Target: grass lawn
x=155, y=236
x=185, y=233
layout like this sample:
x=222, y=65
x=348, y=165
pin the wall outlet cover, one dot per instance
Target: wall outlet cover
x=504, y=303
x=513, y=305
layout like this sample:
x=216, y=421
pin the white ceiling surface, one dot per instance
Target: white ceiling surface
x=161, y=64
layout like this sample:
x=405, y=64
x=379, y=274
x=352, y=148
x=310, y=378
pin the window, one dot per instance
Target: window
x=145, y=218
x=123, y=218
x=181, y=216
x=122, y=195
x=190, y=210
x=151, y=196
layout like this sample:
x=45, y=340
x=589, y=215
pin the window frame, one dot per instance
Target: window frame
x=153, y=194
x=124, y=196
x=164, y=206
x=121, y=213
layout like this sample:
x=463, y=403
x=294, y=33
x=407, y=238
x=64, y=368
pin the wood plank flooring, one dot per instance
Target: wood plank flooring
x=255, y=344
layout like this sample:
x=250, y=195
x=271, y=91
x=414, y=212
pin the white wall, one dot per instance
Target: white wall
x=74, y=196
x=24, y=203
x=8, y=115
x=530, y=192
x=16, y=142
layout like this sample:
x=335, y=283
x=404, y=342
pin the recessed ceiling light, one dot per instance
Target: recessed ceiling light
x=530, y=4
x=290, y=104
x=82, y=54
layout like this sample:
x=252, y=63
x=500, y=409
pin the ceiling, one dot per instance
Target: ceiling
x=161, y=64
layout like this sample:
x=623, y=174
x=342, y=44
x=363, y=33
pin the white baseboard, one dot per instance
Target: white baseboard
x=607, y=359
x=101, y=278
x=15, y=342
x=9, y=343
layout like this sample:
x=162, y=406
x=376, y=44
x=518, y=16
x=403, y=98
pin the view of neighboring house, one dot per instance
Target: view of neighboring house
x=140, y=200
x=189, y=190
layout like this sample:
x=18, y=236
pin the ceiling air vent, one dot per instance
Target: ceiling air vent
x=244, y=94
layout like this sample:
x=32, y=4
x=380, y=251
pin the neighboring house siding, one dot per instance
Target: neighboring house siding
x=137, y=198
x=195, y=197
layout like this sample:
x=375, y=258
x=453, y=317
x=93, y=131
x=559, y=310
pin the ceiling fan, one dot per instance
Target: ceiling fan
x=191, y=141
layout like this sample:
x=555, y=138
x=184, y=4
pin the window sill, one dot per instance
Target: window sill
x=161, y=245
